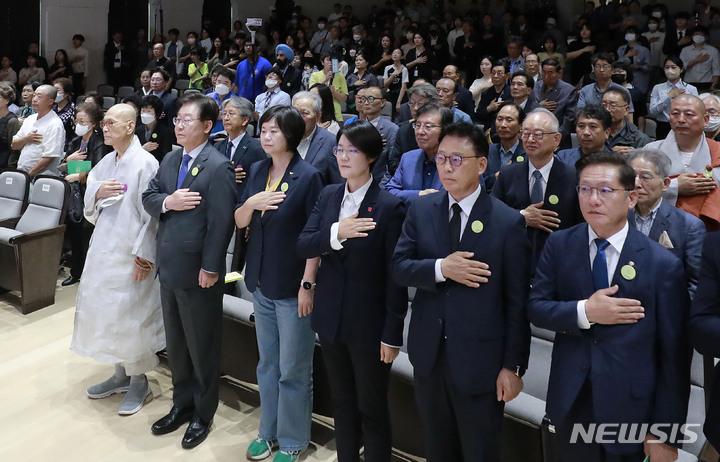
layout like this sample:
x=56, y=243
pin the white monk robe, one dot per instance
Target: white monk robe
x=119, y=320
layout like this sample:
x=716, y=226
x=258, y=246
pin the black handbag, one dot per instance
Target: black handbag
x=76, y=205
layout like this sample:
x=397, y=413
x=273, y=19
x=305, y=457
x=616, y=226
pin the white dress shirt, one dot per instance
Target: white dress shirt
x=235, y=144
x=466, y=205
x=193, y=155
x=348, y=207
x=544, y=171
x=304, y=144
x=612, y=257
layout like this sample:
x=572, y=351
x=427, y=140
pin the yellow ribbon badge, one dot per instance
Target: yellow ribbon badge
x=553, y=199
x=195, y=171
x=628, y=271
x=477, y=226
x=284, y=187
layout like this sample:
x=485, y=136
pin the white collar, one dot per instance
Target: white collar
x=195, y=152
x=544, y=170
x=358, y=195
x=468, y=202
x=236, y=141
x=617, y=240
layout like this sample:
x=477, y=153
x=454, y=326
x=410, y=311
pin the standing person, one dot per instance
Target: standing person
x=173, y=49
x=116, y=61
x=663, y=93
x=354, y=228
x=198, y=71
x=274, y=96
x=156, y=138
x=117, y=316
x=619, y=312
x=64, y=106
x=192, y=195
x=638, y=57
x=61, y=66
x=469, y=339
x=80, y=65
x=509, y=149
x=419, y=60
x=250, y=73
x=395, y=80
x=9, y=125
x=279, y=196
x=334, y=80
x=702, y=61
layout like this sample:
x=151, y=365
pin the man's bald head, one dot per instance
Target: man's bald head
x=451, y=72
x=122, y=112
x=689, y=99
x=119, y=126
x=688, y=117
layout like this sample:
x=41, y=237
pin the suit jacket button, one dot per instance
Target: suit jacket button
x=596, y=341
x=584, y=368
x=440, y=321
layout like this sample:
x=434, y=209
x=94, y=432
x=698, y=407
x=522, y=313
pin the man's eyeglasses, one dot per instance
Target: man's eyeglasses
x=183, y=122
x=366, y=99
x=612, y=105
x=228, y=115
x=537, y=136
x=603, y=192
x=109, y=123
x=602, y=67
x=428, y=127
x=455, y=160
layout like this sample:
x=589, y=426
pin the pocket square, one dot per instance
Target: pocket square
x=665, y=241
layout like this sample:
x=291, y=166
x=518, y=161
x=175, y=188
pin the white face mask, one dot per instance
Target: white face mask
x=652, y=26
x=629, y=37
x=713, y=124
x=357, y=37
x=699, y=39
x=147, y=119
x=271, y=83
x=352, y=53
x=191, y=41
x=657, y=14
x=222, y=89
x=59, y=97
x=672, y=74
x=321, y=26
x=81, y=130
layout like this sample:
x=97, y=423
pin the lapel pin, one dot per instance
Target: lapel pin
x=553, y=199
x=195, y=171
x=707, y=173
x=370, y=209
x=519, y=159
x=284, y=187
x=477, y=226
x=154, y=135
x=628, y=271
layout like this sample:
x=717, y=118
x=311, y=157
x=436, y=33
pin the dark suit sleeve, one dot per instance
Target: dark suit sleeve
x=674, y=354
x=482, y=114
x=153, y=198
x=315, y=185
x=705, y=309
x=693, y=254
x=394, y=155
x=220, y=201
x=314, y=240
x=498, y=187
x=544, y=309
x=396, y=295
x=408, y=269
x=516, y=284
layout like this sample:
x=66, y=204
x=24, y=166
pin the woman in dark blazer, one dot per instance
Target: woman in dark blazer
x=359, y=310
x=279, y=196
x=155, y=137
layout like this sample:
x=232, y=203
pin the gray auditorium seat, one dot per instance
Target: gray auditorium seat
x=14, y=188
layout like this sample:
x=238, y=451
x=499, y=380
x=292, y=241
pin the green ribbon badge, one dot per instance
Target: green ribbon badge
x=553, y=199
x=519, y=159
x=195, y=171
x=154, y=136
x=284, y=187
x=628, y=271
x=477, y=226
x=707, y=173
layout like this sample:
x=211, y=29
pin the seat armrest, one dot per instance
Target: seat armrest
x=37, y=235
x=9, y=222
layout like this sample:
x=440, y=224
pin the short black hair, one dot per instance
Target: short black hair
x=80, y=37
x=470, y=132
x=626, y=67
x=502, y=62
x=275, y=70
x=208, y=108
x=594, y=111
x=551, y=62
x=364, y=136
x=288, y=120
x=520, y=111
x=624, y=94
x=529, y=81
x=602, y=57
x=626, y=174
x=446, y=115
x=224, y=71
x=153, y=102
x=174, y=31
x=135, y=100
x=162, y=72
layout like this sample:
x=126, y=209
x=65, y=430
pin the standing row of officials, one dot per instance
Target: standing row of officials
x=336, y=261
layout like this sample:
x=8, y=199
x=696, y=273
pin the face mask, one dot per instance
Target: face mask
x=147, y=119
x=271, y=83
x=672, y=74
x=657, y=14
x=59, y=97
x=222, y=89
x=629, y=37
x=699, y=39
x=191, y=41
x=81, y=130
x=357, y=38
x=321, y=26
x=713, y=124
x=619, y=78
x=652, y=26
x=352, y=53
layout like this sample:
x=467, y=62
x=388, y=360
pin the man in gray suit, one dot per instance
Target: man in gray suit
x=317, y=143
x=193, y=196
x=676, y=230
x=558, y=97
x=373, y=101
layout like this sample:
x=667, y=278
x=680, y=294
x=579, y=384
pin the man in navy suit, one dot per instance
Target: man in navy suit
x=158, y=83
x=371, y=100
x=417, y=174
x=705, y=327
x=468, y=255
x=316, y=146
x=193, y=195
x=621, y=353
x=542, y=189
x=593, y=130
x=509, y=150
x=676, y=230
x=557, y=96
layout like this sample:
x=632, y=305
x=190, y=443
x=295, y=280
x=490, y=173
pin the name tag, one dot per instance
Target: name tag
x=8, y=180
x=45, y=188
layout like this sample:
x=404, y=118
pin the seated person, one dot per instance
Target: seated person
x=592, y=127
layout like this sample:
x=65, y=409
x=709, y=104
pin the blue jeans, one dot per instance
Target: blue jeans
x=286, y=344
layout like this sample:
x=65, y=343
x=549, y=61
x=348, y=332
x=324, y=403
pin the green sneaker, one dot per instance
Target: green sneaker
x=259, y=449
x=286, y=456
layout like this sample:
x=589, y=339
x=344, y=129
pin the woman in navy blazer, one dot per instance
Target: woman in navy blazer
x=279, y=196
x=359, y=310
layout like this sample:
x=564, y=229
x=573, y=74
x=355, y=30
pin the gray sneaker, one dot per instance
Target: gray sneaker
x=135, y=398
x=108, y=387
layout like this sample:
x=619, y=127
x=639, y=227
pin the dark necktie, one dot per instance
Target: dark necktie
x=599, y=269
x=228, y=149
x=680, y=34
x=536, y=195
x=455, y=227
x=183, y=169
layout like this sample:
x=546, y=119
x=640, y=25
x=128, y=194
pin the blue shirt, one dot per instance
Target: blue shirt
x=249, y=83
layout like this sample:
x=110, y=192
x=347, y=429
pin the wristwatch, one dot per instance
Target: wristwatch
x=307, y=285
x=520, y=371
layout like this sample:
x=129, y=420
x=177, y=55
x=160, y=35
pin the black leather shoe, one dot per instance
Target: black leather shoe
x=196, y=433
x=172, y=421
x=70, y=281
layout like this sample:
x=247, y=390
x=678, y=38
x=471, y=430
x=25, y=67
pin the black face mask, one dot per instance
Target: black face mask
x=619, y=78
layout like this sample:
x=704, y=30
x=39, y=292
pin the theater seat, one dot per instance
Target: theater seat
x=14, y=189
x=30, y=246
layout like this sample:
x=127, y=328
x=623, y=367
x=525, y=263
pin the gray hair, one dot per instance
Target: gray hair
x=243, y=105
x=315, y=98
x=425, y=90
x=656, y=157
x=711, y=96
x=49, y=90
x=554, y=124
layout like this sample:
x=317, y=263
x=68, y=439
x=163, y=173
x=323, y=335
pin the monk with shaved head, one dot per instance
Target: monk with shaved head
x=118, y=319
